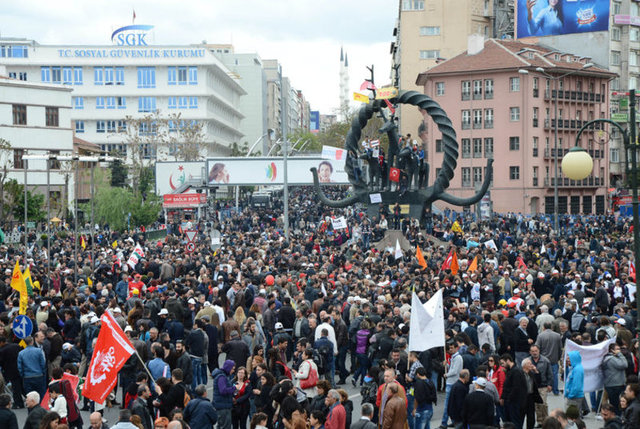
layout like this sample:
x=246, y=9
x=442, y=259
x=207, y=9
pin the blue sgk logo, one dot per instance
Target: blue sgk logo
x=131, y=35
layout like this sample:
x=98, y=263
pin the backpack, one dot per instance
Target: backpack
x=324, y=351
x=432, y=395
x=320, y=362
x=186, y=399
x=285, y=370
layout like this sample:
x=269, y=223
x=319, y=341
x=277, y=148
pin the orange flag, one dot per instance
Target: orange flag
x=420, y=258
x=455, y=267
x=474, y=265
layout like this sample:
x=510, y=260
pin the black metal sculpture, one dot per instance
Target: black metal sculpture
x=426, y=196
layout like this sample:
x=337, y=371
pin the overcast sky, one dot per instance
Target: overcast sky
x=305, y=35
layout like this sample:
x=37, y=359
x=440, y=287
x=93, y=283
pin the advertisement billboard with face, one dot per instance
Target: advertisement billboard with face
x=270, y=171
x=556, y=17
x=171, y=175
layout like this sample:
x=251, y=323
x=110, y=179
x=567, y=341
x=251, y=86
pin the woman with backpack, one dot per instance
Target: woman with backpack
x=308, y=375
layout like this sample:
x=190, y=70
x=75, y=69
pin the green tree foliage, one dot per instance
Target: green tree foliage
x=118, y=174
x=14, y=192
x=113, y=205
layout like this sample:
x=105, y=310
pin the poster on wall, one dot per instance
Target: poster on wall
x=171, y=175
x=270, y=171
x=556, y=17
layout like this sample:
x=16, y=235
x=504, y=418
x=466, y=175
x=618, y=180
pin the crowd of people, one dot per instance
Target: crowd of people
x=278, y=326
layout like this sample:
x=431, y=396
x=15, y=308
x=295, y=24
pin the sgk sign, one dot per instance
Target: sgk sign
x=131, y=35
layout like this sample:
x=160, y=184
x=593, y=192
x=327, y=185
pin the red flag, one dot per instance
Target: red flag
x=521, y=264
x=73, y=379
x=109, y=356
x=394, y=174
x=447, y=262
x=367, y=85
x=632, y=271
x=390, y=106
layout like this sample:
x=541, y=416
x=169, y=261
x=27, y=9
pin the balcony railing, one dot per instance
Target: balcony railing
x=466, y=96
x=466, y=125
x=551, y=153
x=488, y=124
x=488, y=95
x=589, y=97
x=589, y=182
x=477, y=125
x=570, y=124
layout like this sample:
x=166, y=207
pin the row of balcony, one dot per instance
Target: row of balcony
x=589, y=182
x=570, y=124
x=488, y=95
x=550, y=153
x=588, y=97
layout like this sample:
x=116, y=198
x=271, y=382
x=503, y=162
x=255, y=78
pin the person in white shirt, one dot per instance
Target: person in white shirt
x=58, y=402
x=327, y=325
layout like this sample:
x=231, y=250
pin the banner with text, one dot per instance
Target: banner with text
x=553, y=18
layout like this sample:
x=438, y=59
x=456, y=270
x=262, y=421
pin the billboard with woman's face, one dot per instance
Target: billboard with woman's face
x=556, y=17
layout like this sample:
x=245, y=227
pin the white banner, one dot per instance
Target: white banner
x=270, y=171
x=335, y=153
x=592, y=357
x=135, y=257
x=491, y=244
x=427, y=323
x=172, y=175
x=339, y=223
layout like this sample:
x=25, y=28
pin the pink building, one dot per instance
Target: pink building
x=501, y=105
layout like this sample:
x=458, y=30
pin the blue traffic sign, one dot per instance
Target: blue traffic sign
x=22, y=326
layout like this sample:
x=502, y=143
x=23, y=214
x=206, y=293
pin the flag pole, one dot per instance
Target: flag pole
x=144, y=365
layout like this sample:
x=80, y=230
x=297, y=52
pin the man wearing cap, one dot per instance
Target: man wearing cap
x=223, y=391
x=478, y=408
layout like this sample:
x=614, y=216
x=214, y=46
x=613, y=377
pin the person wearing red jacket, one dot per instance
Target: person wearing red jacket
x=337, y=416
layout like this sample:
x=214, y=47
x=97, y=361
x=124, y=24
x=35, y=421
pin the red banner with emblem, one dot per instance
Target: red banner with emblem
x=109, y=356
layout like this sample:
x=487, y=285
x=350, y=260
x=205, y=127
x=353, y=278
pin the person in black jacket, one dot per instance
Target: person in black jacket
x=36, y=412
x=199, y=412
x=478, y=409
x=140, y=408
x=175, y=396
x=9, y=363
x=184, y=362
x=514, y=391
x=459, y=392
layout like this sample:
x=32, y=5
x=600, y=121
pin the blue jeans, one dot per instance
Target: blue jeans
x=196, y=369
x=422, y=418
x=595, y=398
x=363, y=367
x=554, y=371
x=434, y=379
x=410, y=418
x=445, y=416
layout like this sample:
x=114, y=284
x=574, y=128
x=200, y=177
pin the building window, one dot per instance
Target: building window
x=615, y=58
x=121, y=102
x=514, y=173
x=19, y=114
x=477, y=148
x=535, y=147
x=193, y=75
x=429, y=54
x=100, y=126
x=466, y=177
x=99, y=102
x=514, y=143
x=477, y=175
x=67, y=75
x=56, y=75
x=79, y=127
x=514, y=84
x=78, y=103
x=146, y=77
x=634, y=34
x=466, y=148
x=51, y=116
x=616, y=8
x=535, y=176
x=412, y=4
x=147, y=104
x=514, y=114
x=193, y=102
x=614, y=154
x=429, y=31
x=119, y=75
x=536, y=87
x=111, y=102
x=182, y=75
x=615, y=33
x=439, y=88
x=466, y=89
x=438, y=145
x=111, y=126
x=466, y=119
x=488, y=118
x=172, y=126
x=477, y=118
x=77, y=76
x=535, y=117
x=18, y=162
x=172, y=102
x=16, y=51
x=488, y=89
x=148, y=129
x=488, y=147
x=109, y=78
x=45, y=74
x=477, y=89
x=182, y=102
x=122, y=126
x=171, y=75
x=98, y=76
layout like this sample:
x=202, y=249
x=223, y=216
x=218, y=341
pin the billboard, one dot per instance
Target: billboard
x=183, y=200
x=269, y=171
x=172, y=175
x=556, y=17
x=314, y=121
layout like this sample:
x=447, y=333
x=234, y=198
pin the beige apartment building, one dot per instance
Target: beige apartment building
x=428, y=32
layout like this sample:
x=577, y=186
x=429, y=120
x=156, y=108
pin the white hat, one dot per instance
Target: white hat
x=555, y=272
x=516, y=291
x=481, y=381
x=571, y=291
x=128, y=329
x=94, y=319
x=621, y=321
x=464, y=275
x=506, y=272
x=163, y=312
x=207, y=304
x=67, y=346
x=279, y=326
x=540, y=275
x=91, y=314
x=117, y=310
x=191, y=301
x=105, y=292
x=44, y=303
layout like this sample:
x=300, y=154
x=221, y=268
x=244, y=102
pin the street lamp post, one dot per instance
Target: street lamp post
x=555, y=132
x=577, y=165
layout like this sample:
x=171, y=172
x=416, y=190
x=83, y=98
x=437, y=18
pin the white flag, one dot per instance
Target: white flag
x=427, y=323
x=335, y=153
x=135, y=256
x=491, y=244
x=543, y=249
x=398, y=251
x=339, y=223
x=592, y=357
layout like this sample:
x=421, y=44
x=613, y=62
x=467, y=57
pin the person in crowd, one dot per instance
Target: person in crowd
x=36, y=412
x=614, y=366
x=199, y=412
x=514, y=391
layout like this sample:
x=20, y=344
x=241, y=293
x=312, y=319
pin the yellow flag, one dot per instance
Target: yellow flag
x=89, y=281
x=360, y=97
x=17, y=281
x=456, y=228
x=114, y=244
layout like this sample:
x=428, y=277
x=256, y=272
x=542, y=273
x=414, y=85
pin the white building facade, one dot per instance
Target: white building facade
x=113, y=82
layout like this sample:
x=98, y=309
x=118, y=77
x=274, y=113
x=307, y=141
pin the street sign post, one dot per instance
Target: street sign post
x=190, y=247
x=191, y=235
x=22, y=326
